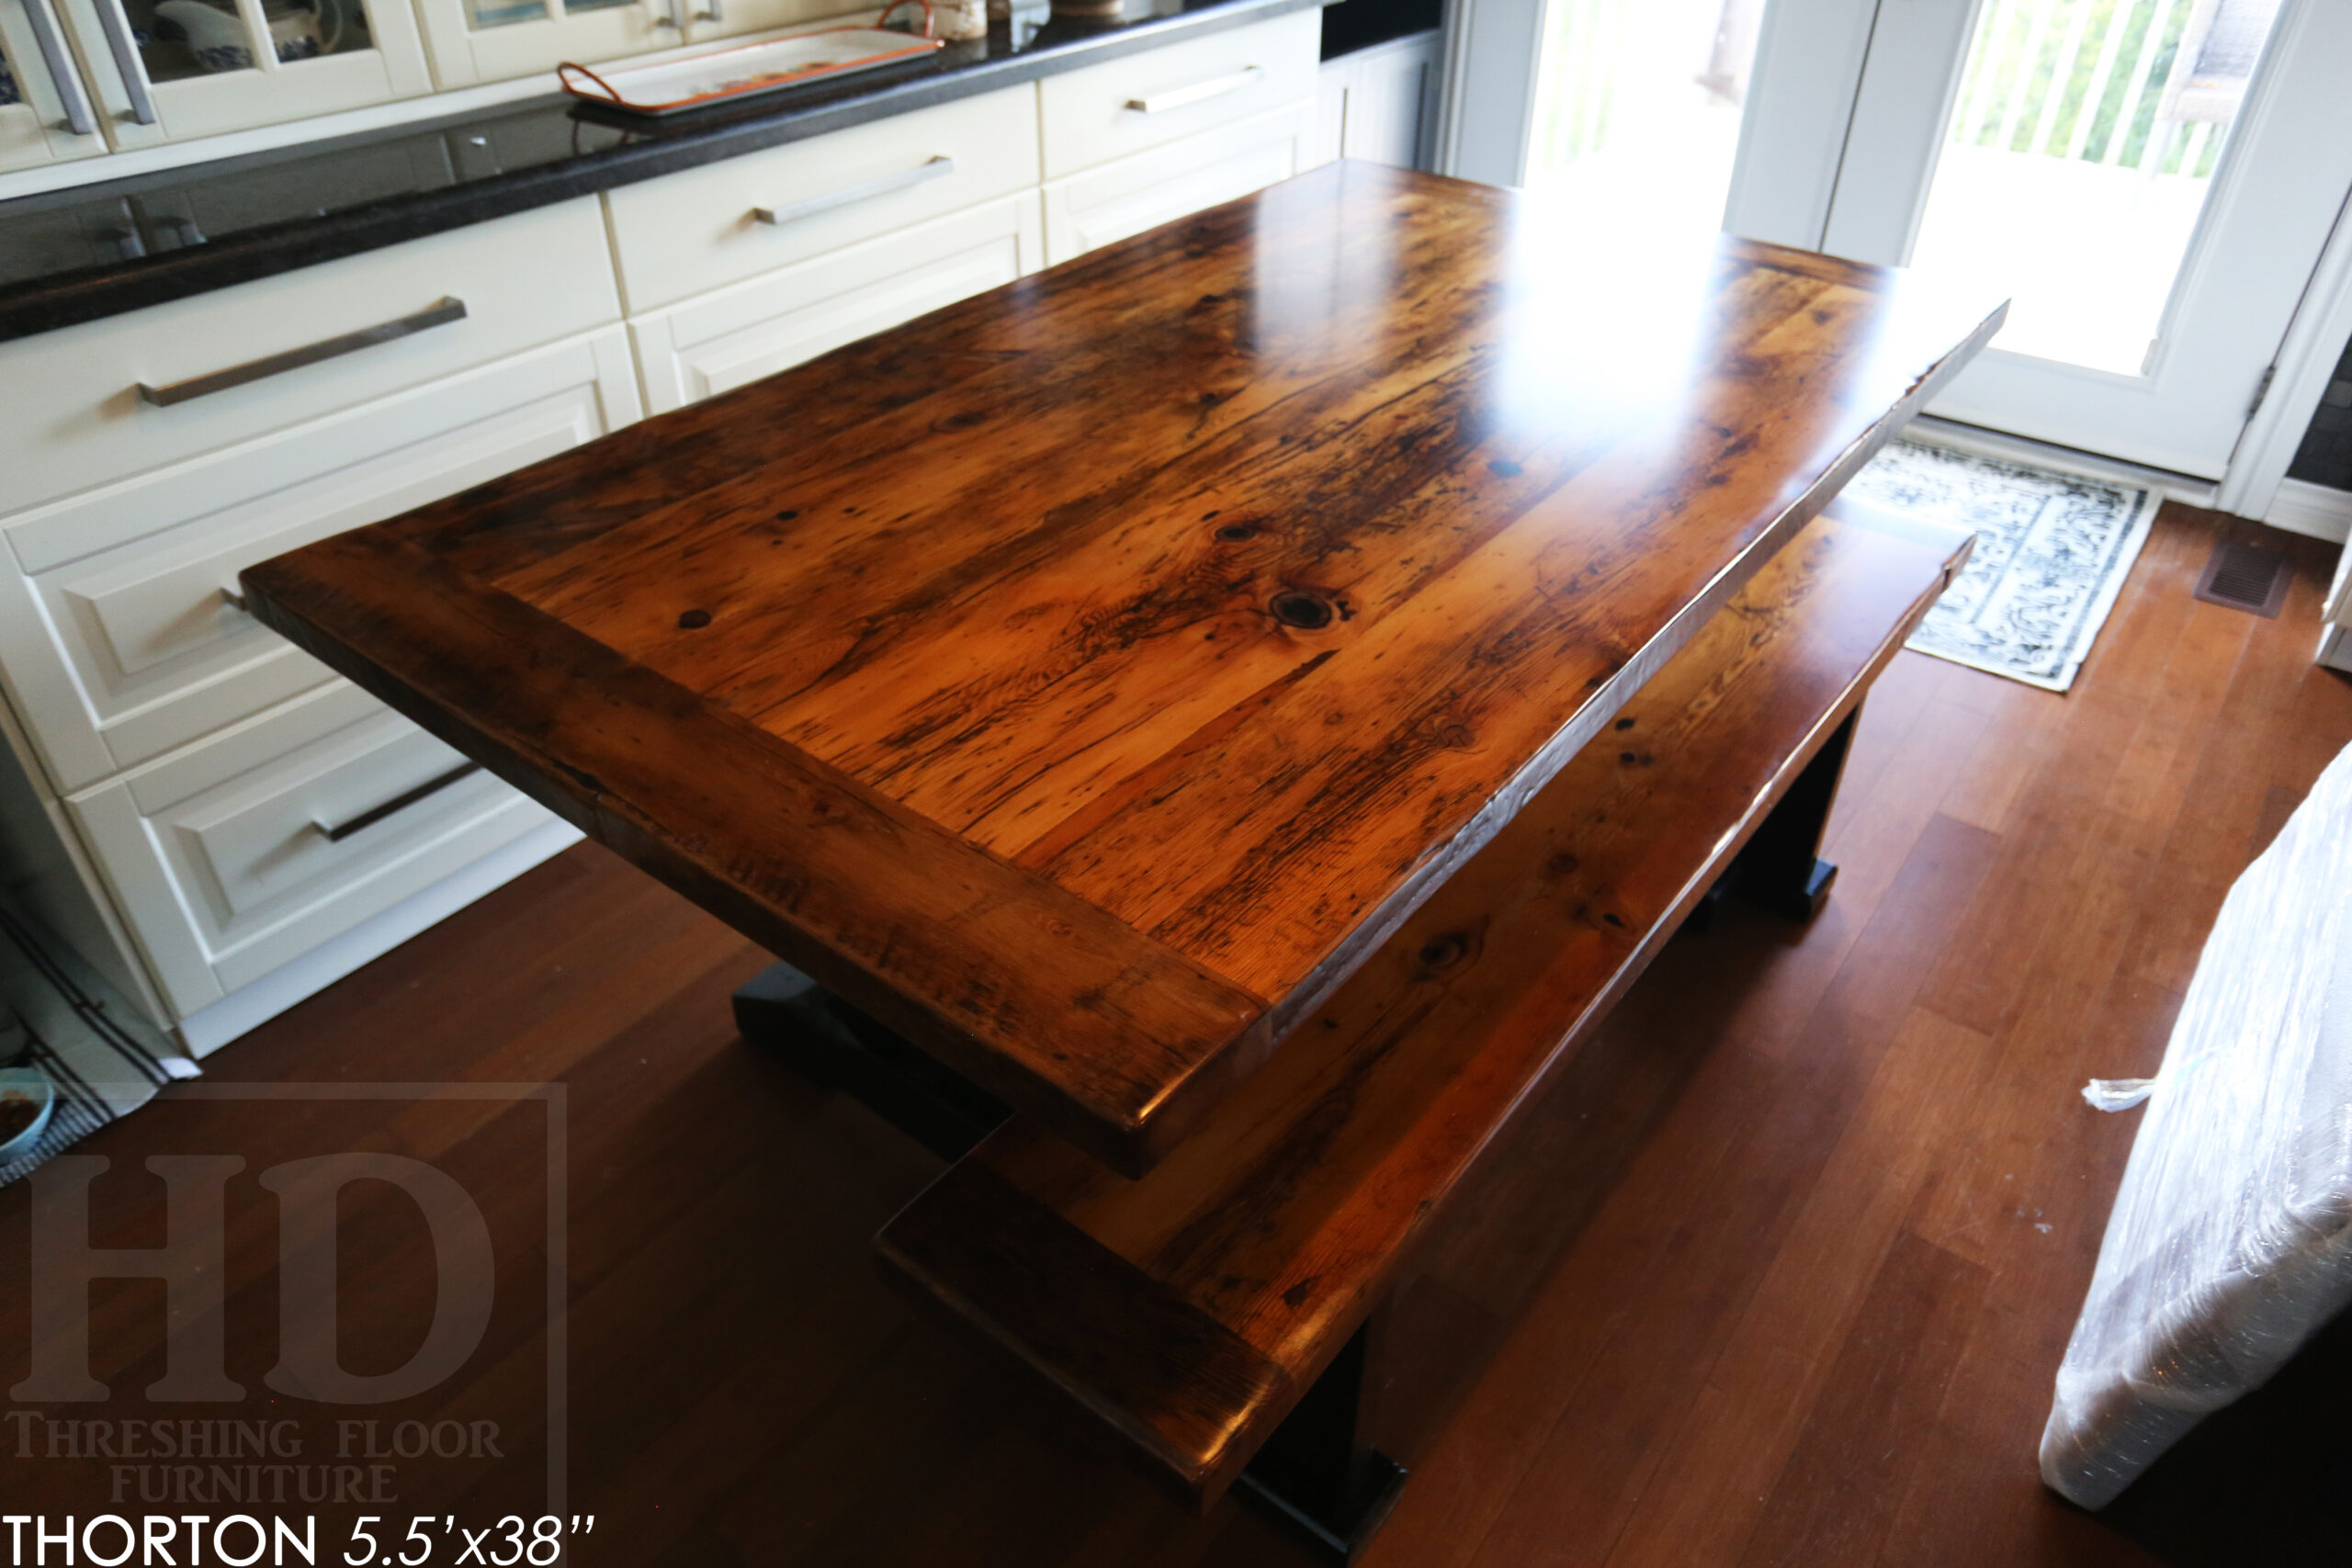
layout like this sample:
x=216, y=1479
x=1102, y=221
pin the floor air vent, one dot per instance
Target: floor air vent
x=2244, y=576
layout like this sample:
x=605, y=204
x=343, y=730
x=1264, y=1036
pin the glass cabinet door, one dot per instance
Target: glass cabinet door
x=46, y=113
x=493, y=40
x=201, y=67
x=708, y=19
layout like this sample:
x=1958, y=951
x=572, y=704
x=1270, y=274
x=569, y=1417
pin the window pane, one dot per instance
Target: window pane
x=2081, y=151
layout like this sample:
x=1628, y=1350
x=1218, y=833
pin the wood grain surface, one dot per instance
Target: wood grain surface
x=1211, y=598
x=1292, y=1208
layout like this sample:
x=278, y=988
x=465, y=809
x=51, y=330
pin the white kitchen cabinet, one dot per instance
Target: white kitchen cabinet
x=479, y=294
x=1114, y=200
x=1376, y=103
x=735, y=335
x=1122, y=107
x=229, y=867
x=759, y=214
x=121, y=637
x=165, y=70
x=495, y=40
x=48, y=113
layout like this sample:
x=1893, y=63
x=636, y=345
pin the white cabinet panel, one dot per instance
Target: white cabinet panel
x=122, y=642
x=690, y=232
x=228, y=867
x=1138, y=101
x=77, y=416
x=53, y=116
x=723, y=339
x=1167, y=183
x=1372, y=104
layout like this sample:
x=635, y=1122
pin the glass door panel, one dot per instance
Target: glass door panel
x=196, y=68
x=2080, y=158
x=1637, y=108
x=493, y=41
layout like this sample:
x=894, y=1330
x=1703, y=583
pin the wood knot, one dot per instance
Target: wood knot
x=1444, y=952
x=1236, y=531
x=1309, y=612
x=1624, y=723
x=1561, y=864
x=694, y=620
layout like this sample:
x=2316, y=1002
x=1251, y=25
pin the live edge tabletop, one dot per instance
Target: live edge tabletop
x=1082, y=678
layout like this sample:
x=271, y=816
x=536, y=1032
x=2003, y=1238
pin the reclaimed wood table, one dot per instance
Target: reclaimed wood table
x=1083, y=682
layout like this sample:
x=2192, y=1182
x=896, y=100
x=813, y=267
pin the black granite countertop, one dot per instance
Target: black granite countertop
x=99, y=250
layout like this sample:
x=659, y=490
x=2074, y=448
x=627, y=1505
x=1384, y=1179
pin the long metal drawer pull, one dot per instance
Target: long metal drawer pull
x=437, y=314
x=375, y=814
x=1214, y=88
x=80, y=118
x=937, y=168
x=125, y=50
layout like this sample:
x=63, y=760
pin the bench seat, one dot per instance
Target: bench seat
x=1188, y=1311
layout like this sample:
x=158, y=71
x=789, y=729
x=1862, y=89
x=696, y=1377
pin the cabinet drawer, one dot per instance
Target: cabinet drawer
x=1143, y=100
x=120, y=642
x=77, y=416
x=1165, y=184
x=723, y=339
x=688, y=233
x=240, y=854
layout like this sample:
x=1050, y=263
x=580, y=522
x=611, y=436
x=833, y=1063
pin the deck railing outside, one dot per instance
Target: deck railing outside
x=2146, y=84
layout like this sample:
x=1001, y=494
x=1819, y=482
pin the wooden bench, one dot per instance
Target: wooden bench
x=1190, y=1311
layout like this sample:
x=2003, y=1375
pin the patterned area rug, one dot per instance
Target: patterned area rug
x=2052, y=553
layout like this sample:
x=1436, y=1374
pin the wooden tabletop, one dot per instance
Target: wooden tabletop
x=1085, y=678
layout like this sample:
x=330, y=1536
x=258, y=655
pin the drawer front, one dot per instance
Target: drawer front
x=684, y=233
x=1140, y=101
x=121, y=641
x=229, y=867
x=1167, y=183
x=721, y=341
x=77, y=417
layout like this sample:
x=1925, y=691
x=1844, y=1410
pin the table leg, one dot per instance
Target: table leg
x=1782, y=867
x=783, y=1010
x=1317, y=1475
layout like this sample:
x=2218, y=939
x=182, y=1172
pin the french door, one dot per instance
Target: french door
x=2152, y=181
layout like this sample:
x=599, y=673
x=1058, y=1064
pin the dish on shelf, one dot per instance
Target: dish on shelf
x=741, y=72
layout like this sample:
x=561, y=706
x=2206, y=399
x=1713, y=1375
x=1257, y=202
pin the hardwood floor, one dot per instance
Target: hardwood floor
x=1828, y=1200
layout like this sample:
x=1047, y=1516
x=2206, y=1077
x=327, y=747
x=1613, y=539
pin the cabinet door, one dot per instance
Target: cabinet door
x=495, y=40
x=190, y=68
x=124, y=637
x=46, y=114
x=707, y=20
x=241, y=854
x=1114, y=200
x=730, y=336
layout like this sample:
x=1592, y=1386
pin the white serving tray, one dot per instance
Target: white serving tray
x=743, y=72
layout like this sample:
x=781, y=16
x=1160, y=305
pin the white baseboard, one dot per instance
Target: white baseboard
x=248, y=1008
x=2315, y=510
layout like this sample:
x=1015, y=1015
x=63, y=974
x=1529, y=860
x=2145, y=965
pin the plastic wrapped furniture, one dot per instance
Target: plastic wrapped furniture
x=2230, y=1242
